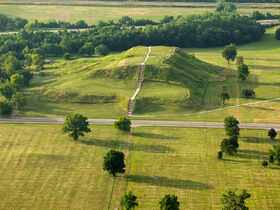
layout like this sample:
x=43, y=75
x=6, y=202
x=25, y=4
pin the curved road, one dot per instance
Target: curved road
x=139, y=123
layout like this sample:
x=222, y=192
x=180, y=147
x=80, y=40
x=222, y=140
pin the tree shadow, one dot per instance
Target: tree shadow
x=256, y=140
x=251, y=154
x=153, y=136
x=117, y=144
x=168, y=182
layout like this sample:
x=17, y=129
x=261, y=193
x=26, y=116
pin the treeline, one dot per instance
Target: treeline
x=11, y=24
x=209, y=30
x=257, y=15
x=236, y=1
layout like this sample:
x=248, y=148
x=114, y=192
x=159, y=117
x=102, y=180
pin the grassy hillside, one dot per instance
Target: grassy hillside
x=43, y=169
x=101, y=86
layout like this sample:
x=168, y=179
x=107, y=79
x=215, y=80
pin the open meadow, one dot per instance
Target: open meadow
x=43, y=169
x=93, y=14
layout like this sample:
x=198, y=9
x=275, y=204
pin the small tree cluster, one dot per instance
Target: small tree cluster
x=234, y=200
x=229, y=53
x=230, y=144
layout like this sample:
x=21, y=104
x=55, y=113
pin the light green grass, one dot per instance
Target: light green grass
x=43, y=169
x=93, y=14
x=73, y=86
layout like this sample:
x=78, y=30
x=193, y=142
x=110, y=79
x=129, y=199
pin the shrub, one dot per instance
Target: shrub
x=272, y=133
x=220, y=155
x=67, y=56
x=6, y=108
x=265, y=163
x=101, y=50
x=248, y=93
x=277, y=34
x=123, y=124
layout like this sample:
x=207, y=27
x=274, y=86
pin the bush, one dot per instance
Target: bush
x=67, y=56
x=272, y=133
x=265, y=163
x=248, y=93
x=101, y=50
x=277, y=34
x=6, y=108
x=220, y=155
x=123, y=124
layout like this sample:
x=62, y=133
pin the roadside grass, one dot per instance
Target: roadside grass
x=44, y=169
x=93, y=14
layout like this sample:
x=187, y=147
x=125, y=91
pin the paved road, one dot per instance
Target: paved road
x=140, y=123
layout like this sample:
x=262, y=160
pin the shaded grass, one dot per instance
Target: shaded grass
x=37, y=161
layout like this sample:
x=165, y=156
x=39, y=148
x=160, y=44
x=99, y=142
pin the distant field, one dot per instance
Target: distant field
x=94, y=14
x=43, y=169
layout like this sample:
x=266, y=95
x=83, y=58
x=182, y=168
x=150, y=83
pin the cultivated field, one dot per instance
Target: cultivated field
x=93, y=14
x=43, y=169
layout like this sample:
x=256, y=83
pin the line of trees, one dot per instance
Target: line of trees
x=11, y=24
x=208, y=30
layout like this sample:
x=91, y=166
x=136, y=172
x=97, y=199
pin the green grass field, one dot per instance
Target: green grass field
x=93, y=14
x=44, y=169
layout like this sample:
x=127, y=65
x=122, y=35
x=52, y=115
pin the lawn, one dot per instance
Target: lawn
x=43, y=169
x=93, y=14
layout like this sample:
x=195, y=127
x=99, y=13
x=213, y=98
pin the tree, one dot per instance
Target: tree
x=248, y=93
x=7, y=90
x=76, y=125
x=229, y=53
x=18, y=100
x=272, y=133
x=114, y=162
x=243, y=71
x=275, y=154
x=265, y=163
x=239, y=60
x=229, y=145
x=37, y=61
x=225, y=7
x=233, y=200
x=169, y=202
x=123, y=124
x=17, y=81
x=277, y=34
x=231, y=126
x=11, y=64
x=101, y=50
x=6, y=107
x=87, y=49
x=224, y=96
x=129, y=201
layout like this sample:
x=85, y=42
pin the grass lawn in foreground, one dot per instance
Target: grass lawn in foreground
x=43, y=169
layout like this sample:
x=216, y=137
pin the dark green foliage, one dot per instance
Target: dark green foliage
x=169, y=202
x=67, y=56
x=225, y=7
x=114, y=162
x=7, y=90
x=229, y=145
x=123, y=124
x=87, y=49
x=233, y=200
x=243, y=71
x=271, y=158
x=248, y=93
x=18, y=100
x=224, y=96
x=220, y=155
x=17, y=81
x=11, y=24
x=101, y=50
x=76, y=125
x=277, y=34
x=6, y=108
x=129, y=201
x=275, y=154
x=229, y=53
x=265, y=163
x=231, y=126
x=272, y=133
